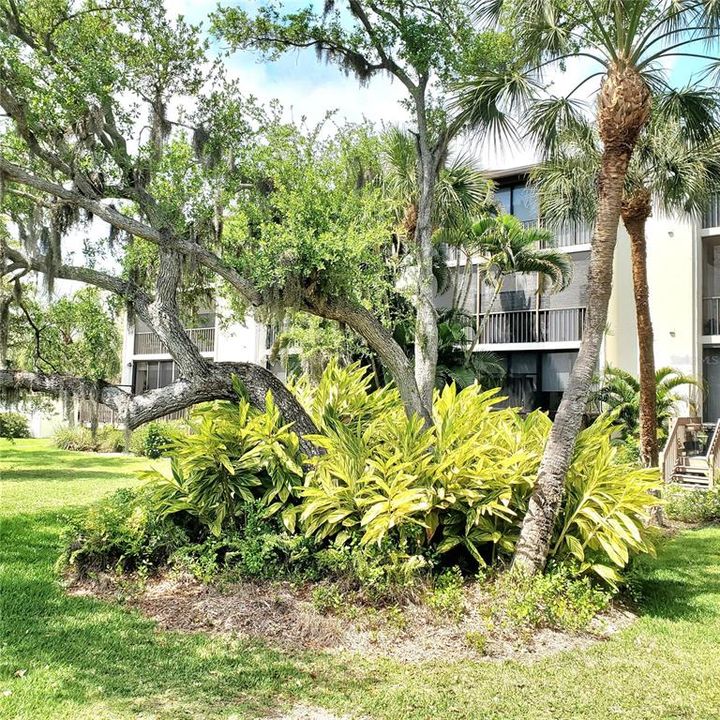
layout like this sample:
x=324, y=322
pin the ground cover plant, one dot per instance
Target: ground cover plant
x=76, y=658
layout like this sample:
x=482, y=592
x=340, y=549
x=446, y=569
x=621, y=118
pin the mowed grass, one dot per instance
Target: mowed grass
x=72, y=657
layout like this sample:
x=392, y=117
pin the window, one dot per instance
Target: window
x=152, y=374
x=519, y=200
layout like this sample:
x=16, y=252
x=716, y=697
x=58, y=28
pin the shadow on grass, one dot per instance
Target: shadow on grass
x=99, y=645
x=684, y=582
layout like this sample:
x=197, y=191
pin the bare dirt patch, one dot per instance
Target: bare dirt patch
x=282, y=615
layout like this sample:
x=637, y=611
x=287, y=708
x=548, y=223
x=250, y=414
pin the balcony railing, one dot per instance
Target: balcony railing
x=711, y=218
x=534, y=326
x=148, y=343
x=711, y=316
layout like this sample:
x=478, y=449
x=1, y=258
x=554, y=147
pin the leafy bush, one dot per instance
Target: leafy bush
x=463, y=485
x=152, y=439
x=234, y=455
x=389, y=501
x=692, y=506
x=74, y=438
x=79, y=438
x=13, y=426
x=257, y=547
x=558, y=599
x=121, y=532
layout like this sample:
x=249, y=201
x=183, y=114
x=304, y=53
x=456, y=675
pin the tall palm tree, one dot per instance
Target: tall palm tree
x=505, y=247
x=667, y=168
x=621, y=391
x=628, y=41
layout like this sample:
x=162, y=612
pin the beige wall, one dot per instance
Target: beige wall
x=672, y=244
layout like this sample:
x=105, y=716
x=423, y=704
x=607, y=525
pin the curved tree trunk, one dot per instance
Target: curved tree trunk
x=536, y=534
x=623, y=109
x=636, y=210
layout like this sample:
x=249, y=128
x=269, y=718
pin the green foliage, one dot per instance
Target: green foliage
x=447, y=597
x=389, y=501
x=123, y=531
x=606, y=505
x=326, y=599
x=464, y=484
x=619, y=390
x=13, y=425
x=692, y=506
x=234, y=454
x=257, y=547
x=558, y=599
x=79, y=438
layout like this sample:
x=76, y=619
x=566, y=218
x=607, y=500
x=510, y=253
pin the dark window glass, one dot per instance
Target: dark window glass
x=524, y=204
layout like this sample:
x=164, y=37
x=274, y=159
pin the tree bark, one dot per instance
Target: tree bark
x=636, y=209
x=624, y=106
x=426, y=329
x=537, y=529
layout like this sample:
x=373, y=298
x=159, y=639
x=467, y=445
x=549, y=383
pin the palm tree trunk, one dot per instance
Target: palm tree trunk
x=537, y=529
x=635, y=212
x=485, y=318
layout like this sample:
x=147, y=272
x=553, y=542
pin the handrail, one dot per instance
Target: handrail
x=713, y=454
x=149, y=343
x=670, y=452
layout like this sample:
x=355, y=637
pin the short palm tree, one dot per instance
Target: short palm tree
x=629, y=41
x=505, y=247
x=620, y=391
x=669, y=168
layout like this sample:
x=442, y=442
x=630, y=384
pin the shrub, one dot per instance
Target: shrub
x=326, y=599
x=447, y=597
x=79, y=438
x=13, y=426
x=389, y=501
x=692, y=506
x=121, y=532
x=234, y=455
x=258, y=547
x=74, y=438
x=154, y=438
x=109, y=440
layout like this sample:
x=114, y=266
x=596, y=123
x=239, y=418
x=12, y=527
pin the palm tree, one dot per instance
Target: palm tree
x=505, y=247
x=628, y=40
x=668, y=167
x=621, y=391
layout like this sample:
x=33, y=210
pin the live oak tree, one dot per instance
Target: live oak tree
x=626, y=43
x=115, y=117
x=425, y=46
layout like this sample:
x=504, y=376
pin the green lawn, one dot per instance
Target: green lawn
x=85, y=659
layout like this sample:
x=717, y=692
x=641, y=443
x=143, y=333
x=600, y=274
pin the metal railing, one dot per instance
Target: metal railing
x=567, y=235
x=711, y=216
x=711, y=316
x=534, y=326
x=148, y=343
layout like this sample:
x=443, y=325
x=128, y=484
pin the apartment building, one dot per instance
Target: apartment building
x=537, y=335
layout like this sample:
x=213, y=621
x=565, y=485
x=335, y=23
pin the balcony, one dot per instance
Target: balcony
x=534, y=326
x=148, y=343
x=567, y=235
x=711, y=316
x=711, y=218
